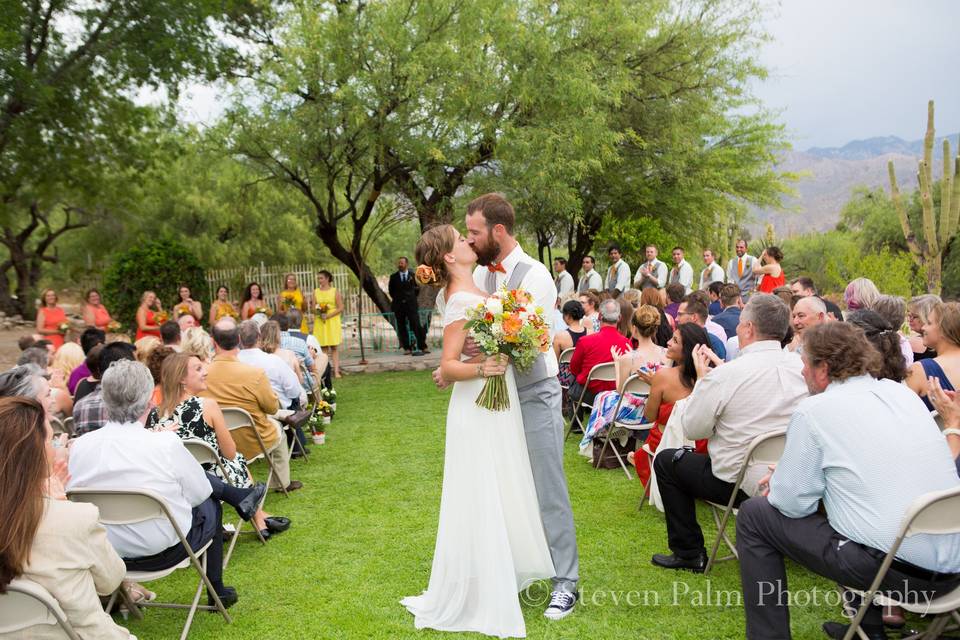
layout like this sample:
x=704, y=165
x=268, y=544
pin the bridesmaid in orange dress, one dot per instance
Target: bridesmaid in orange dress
x=147, y=321
x=669, y=385
x=51, y=318
x=769, y=269
x=94, y=313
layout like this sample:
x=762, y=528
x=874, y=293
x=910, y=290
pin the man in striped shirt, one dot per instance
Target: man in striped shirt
x=866, y=449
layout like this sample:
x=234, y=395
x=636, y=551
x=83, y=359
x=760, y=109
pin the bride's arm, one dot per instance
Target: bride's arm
x=453, y=370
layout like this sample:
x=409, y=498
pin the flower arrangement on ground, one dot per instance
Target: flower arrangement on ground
x=507, y=323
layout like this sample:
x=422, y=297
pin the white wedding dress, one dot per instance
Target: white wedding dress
x=490, y=540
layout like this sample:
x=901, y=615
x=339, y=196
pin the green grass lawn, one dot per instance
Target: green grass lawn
x=363, y=533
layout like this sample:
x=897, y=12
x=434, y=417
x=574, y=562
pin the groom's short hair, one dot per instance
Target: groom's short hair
x=495, y=209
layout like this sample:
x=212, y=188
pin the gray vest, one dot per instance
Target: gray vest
x=538, y=371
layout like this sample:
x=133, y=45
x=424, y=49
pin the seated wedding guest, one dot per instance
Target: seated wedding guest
x=187, y=306
x=591, y=319
x=861, y=293
x=88, y=384
x=56, y=543
x=808, y=312
x=25, y=342
x=35, y=355
x=712, y=327
x=60, y=400
x=90, y=338
x=296, y=341
x=785, y=293
x=123, y=454
x=596, y=349
x=918, y=314
x=644, y=357
x=253, y=302
x=768, y=269
x=844, y=442
x=651, y=296
x=188, y=415
x=730, y=406
x=949, y=409
x=270, y=343
x=51, y=319
x=290, y=392
x=573, y=319
x=95, y=315
x=235, y=384
x=170, y=334
x=149, y=315
x=941, y=333
x=714, y=292
x=803, y=287
x=675, y=294
x=885, y=340
x=633, y=297
x=894, y=311
x=28, y=381
x=66, y=360
x=693, y=310
x=667, y=387
x=145, y=346
x=90, y=412
x=155, y=365
x=626, y=313
x=197, y=342
x=187, y=322
x=729, y=316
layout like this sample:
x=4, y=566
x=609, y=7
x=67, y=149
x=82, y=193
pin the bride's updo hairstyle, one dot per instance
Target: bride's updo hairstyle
x=435, y=243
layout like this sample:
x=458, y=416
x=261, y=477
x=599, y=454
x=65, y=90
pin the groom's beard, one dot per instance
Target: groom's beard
x=488, y=253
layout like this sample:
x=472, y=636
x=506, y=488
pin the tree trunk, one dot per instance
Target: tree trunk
x=580, y=241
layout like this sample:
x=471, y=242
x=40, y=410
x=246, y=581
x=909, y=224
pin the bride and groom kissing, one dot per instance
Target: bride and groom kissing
x=505, y=515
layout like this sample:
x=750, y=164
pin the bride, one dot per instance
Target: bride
x=490, y=540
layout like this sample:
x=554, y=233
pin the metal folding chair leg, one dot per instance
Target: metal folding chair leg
x=721, y=523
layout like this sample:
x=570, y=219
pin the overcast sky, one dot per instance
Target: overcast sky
x=845, y=70
x=840, y=70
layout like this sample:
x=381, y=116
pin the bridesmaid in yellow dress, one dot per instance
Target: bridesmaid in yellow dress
x=222, y=307
x=328, y=306
x=292, y=298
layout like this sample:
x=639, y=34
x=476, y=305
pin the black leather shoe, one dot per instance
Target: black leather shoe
x=837, y=631
x=697, y=565
x=228, y=597
x=277, y=524
x=265, y=534
x=249, y=505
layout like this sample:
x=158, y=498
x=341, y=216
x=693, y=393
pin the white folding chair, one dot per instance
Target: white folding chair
x=27, y=604
x=238, y=419
x=132, y=506
x=207, y=455
x=934, y=513
x=603, y=372
x=767, y=448
x=56, y=424
x=615, y=430
x=68, y=426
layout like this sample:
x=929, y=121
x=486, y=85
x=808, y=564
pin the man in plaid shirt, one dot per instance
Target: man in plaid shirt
x=89, y=414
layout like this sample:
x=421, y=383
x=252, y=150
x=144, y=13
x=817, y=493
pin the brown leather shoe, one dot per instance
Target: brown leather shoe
x=294, y=485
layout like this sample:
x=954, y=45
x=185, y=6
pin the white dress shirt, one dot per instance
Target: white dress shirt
x=867, y=448
x=658, y=269
x=740, y=400
x=564, y=283
x=621, y=279
x=713, y=273
x=537, y=282
x=282, y=378
x=590, y=280
x=682, y=274
x=126, y=456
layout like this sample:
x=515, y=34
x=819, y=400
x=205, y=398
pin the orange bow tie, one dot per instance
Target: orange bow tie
x=494, y=268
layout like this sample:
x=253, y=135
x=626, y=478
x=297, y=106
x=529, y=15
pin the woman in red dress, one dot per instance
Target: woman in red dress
x=669, y=385
x=769, y=269
x=148, y=322
x=51, y=318
x=94, y=313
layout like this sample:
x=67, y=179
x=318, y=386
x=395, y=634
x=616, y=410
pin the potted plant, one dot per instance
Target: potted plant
x=330, y=397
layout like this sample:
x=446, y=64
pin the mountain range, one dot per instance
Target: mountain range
x=829, y=175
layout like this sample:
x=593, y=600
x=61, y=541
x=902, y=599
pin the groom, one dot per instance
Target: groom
x=490, y=222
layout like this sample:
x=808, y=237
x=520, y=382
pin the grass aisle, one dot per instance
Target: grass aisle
x=363, y=533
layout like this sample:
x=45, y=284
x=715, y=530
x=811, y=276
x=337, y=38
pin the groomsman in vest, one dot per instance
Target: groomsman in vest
x=618, y=276
x=403, y=291
x=712, y=271
x=563, y=281
x=653, y=273
x=740, y=270
x=590, y=278
x=682, y=272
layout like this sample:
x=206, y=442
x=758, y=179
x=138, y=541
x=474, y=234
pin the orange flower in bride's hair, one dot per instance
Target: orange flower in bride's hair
x=425, y=275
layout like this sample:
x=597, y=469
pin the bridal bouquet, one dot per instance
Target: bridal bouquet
x=507, y=323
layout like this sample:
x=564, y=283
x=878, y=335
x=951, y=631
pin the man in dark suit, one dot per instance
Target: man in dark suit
x=729, y=317
x=403, y=291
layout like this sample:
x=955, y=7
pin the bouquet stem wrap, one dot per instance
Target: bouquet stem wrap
x=494, y=395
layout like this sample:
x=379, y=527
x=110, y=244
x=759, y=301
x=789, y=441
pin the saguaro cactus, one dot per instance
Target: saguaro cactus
x=937, y=228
